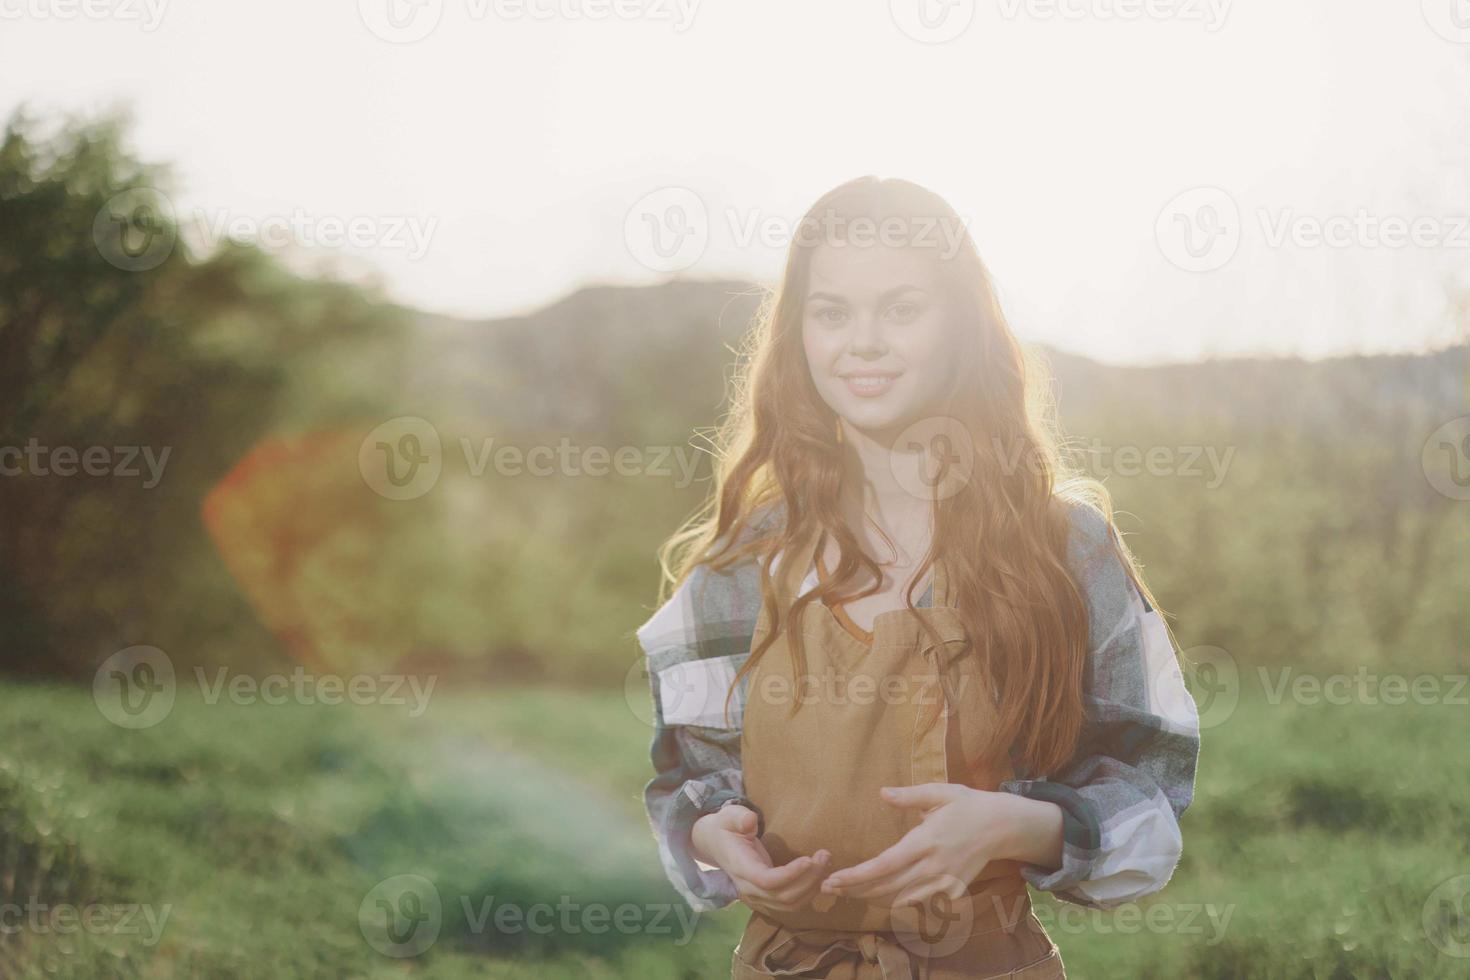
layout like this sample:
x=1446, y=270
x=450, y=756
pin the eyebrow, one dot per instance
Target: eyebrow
x=890, y=294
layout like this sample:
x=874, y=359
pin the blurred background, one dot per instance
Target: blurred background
x=354, y=361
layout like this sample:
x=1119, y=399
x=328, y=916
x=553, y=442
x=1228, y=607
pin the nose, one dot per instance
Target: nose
x=866, y=339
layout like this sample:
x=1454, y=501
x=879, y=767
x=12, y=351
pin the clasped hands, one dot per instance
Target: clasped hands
x=960, y=831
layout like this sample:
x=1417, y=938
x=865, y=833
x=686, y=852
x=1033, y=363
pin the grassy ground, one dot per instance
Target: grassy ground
x=263, y=833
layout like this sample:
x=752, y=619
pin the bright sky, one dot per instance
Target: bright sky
x=491, y=165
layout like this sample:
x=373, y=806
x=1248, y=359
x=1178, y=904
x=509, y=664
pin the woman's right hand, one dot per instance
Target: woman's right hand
x=727, y=840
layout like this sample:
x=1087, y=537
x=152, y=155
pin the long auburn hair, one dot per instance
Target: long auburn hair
x=1002, y=535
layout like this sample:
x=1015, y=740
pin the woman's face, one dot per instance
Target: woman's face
x=876, y=327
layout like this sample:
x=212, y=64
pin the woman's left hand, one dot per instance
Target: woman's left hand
x=961, y=831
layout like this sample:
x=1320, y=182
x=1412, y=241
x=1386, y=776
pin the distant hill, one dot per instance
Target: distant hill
x=1291, y=522
x=608, y=352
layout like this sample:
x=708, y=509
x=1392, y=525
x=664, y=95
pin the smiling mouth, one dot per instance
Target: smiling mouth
x=869, y=385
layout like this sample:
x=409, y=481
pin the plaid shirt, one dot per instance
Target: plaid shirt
x=1121, y=794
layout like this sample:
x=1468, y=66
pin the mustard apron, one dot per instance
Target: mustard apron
x=900, y=712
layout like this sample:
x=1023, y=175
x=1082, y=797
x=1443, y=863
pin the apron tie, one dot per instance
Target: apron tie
x=888, y=955
x=824, y=949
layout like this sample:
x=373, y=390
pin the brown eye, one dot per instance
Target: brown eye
x=904, y=312
x=831, y=316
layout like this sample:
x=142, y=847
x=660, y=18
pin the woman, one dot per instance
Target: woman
x=908, y=666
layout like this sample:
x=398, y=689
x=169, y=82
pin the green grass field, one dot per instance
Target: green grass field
x=1317, y=836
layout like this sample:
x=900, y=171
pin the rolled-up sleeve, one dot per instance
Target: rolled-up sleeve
x=693, y=646
x=1132, y=777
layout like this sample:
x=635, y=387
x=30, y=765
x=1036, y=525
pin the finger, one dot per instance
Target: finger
x=800, y=891
x=749, y=894
x=752, y=846
x=895, y=859
x=746, y=862
x=772, y=880
x=743, y=856
x=799, y=876
x=886, y=888
x=757, y=897
x=924, y=796
x=758, y=851
x=740, y=819
x=928, y=887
